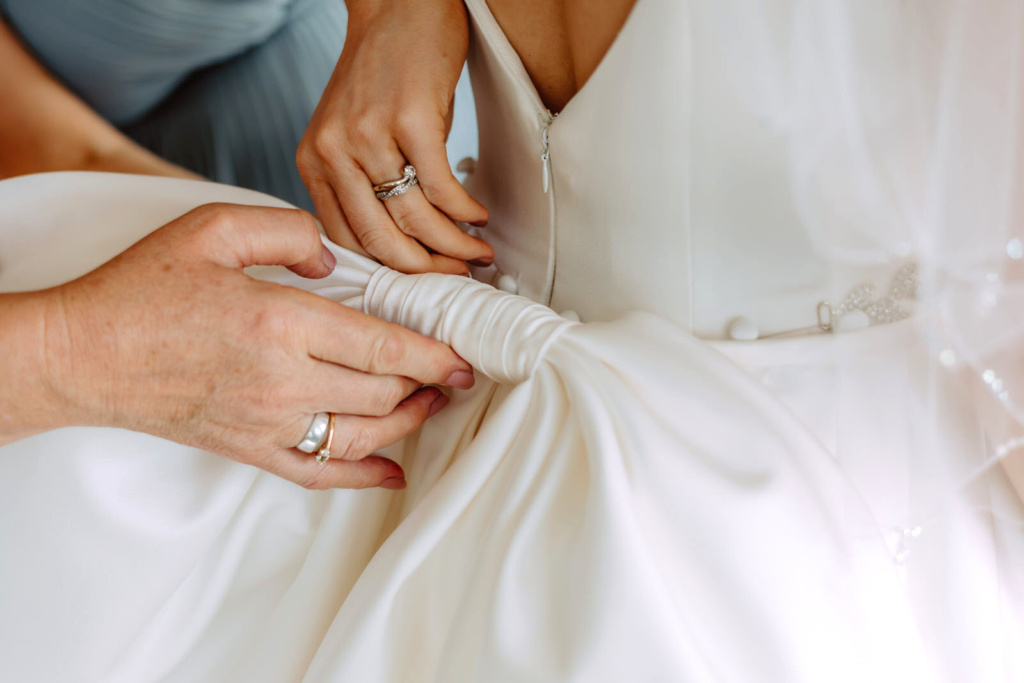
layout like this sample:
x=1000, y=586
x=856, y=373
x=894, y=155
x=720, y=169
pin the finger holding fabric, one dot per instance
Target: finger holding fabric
x=345, y=455
x=386, y=108
x=171, y=338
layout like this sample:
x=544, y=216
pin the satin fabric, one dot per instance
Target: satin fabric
x=589, y=511
x=780, y=154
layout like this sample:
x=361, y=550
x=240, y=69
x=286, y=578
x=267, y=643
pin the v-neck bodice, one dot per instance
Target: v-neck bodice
x=662, y=185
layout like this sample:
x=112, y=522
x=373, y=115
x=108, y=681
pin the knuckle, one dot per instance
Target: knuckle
x=385, y=400
x=217, y=212
x=323, y=145
x=270, y=325
x=410, y=123
x=306, y=159
x=439, y=192
x=218, y=219
x=364, y=133
x=358, y=444
x=378, y=242
x=405, y=217
x=210, y=225
x=316, y=479
x=386, y=353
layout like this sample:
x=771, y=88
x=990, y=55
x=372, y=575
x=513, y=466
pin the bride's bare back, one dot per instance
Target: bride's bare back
x=561, y=42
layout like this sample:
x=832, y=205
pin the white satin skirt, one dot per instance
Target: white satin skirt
x=611, y=502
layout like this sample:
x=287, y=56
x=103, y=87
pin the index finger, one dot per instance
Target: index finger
x=338, y=334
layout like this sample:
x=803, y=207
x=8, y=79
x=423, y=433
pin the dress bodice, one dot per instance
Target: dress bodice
x=661, y=186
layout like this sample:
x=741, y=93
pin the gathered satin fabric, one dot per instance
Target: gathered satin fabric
x=612, y=501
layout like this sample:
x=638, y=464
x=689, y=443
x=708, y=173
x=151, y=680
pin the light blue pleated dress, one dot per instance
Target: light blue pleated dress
x=224, y=88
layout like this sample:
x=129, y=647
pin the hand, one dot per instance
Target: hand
x=389, y=101
x=173, y=339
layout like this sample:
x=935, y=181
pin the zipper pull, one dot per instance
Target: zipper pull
x=546, y=158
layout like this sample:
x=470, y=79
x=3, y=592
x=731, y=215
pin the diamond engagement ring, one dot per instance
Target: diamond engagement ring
x=393, y=188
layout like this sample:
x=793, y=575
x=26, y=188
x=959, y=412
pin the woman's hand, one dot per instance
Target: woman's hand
x=389, y=103
x=173, y=339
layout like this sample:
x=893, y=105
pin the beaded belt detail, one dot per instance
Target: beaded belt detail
x=860, y=308
x=886, y=309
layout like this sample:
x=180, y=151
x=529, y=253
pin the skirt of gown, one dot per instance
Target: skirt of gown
x=616, y=502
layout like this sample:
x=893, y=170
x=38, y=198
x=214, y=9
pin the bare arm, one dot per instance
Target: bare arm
x=27, y=403
x=44, y=127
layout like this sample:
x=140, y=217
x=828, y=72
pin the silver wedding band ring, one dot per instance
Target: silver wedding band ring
x=316, y=435
x=393, y=188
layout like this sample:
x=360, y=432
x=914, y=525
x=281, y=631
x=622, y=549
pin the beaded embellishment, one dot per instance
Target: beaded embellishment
x=888, y=308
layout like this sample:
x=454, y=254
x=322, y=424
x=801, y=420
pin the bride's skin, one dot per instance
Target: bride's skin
x=390, y=100
x=173, y=339
x=560, y=42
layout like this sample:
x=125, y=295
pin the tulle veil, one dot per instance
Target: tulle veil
x=909, y=148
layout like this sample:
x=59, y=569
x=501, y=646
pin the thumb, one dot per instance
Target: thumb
x=264, y=236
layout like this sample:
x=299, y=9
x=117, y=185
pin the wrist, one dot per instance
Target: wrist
x=30, y=398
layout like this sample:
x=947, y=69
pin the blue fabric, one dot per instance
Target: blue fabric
x=224, y=88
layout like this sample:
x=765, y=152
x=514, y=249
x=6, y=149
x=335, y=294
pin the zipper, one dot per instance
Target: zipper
x=547, y=118
x=545, y=156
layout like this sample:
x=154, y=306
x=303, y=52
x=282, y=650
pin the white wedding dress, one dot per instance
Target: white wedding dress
x=641, y=496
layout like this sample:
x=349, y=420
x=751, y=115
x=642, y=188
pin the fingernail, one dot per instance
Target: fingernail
x=438, y=405
x=485, y=261
x=479, y=224
x=393, y=483
x=330, y=260
x=461, y=379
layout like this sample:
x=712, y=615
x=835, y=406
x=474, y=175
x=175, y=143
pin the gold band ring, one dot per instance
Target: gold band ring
x=393, y=188
x=324, y=453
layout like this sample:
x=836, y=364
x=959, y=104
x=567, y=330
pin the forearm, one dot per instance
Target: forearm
x=45, y=127
x=29, y=398
x=362, y=10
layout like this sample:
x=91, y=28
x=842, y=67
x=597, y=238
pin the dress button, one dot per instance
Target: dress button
x=572, y=316
x=507, y=283
x=467, y=165
x=743, y=329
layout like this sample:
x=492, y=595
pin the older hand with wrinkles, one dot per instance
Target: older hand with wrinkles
x=173, y=339
x=389, y=104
